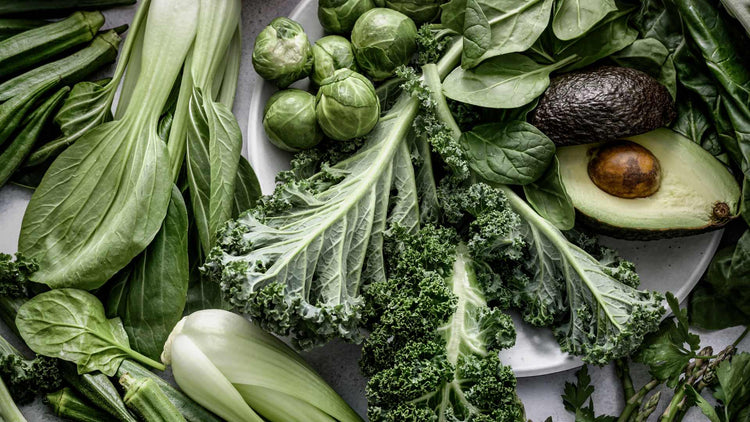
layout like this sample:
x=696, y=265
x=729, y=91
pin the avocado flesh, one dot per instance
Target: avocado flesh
x=693, y=182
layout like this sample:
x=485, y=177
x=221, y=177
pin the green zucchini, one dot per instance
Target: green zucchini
x=66, y=71
x=99, y=390
x=148, y=401
x=13, y=111
x=13, y=7
x=36, y=46
x=11, y=27
x=192, y=411
x=70, y=406
x=13, y=156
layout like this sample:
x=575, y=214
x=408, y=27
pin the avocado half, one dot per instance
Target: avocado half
x=697, y=193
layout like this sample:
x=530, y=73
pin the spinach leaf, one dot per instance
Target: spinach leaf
x=149, y=294
x=574, y=18
x=514, y=25
x=549, y=198
x=693, y=121
x=508, y=81
x=70, y=324
x=513, y=153
x=654, y=20
x=650, y=56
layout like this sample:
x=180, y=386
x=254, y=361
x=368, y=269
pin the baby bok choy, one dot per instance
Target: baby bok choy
x=241, y=373
x=103, y=200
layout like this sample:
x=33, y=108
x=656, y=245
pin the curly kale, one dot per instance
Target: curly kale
x=14, y=275
x=433, y=351
x=431, y=44
x=27, y=378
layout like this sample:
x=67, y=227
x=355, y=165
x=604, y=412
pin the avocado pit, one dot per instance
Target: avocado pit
x=625, y=169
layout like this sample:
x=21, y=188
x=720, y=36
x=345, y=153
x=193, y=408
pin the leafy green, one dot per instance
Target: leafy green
x=734, y=390
x=27, y=378
x=507, y=81
x=652, y=57
x=70, y=324
x=514, y=153
x=550, y=199
x=577, y=394
x=15, y=274
x=573, y=18
x=149, y=294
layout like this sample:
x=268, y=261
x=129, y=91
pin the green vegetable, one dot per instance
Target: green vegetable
x=14, y=276
x=549, y=198
x=733, y=392
x=8, y=410
x=347, y=105
x=282, y=54
x=577, y=397
x=383, y=39
x=432, y=352
x=574, y=18
x=329, y=54
x=66, y=404
x=149, y=294
x=508, y=81
x=13, y=111
x=740, y=10
x=12, y=157
x=70, y=324
x=339, y=16
x=36, y=46
x=66, y=71
x=191, y=410
x=514, y=153
x=99, y=390
x=239, y=371
x=290, y=121
x=493, y=28
x=652, y=57
x=420, y=11
x=147, y=400
x=27, y=378
x=10, y=7
x=10, y=27
x=123, y=163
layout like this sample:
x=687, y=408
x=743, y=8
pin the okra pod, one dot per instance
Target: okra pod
x=13, y=7
x=70, y=406
x=13, y=111
x=66, y=71
x=13, y=156
x=36, y=46
x=11, y=27
x=148, y=401
x=98, y=389
x=192, y=411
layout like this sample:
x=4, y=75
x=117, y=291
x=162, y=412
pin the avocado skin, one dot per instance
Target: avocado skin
x=644, y=234
x=602, y=104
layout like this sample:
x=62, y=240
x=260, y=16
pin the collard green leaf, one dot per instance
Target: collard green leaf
x=70, y=324
x=513, y=153
x=574, y=18
x=151, y=291
x=550, y=199
x=508, y=81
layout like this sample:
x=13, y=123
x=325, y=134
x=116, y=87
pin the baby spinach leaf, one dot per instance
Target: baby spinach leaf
x=477, y=34
x=574, y=18
x=508, y=81
x=550, y=199
x=654, y=20
x=70, y=324
x=649, y=55
x=513, y=153
x=150, y=293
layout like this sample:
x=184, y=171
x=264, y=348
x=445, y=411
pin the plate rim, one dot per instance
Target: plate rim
x=255, y=135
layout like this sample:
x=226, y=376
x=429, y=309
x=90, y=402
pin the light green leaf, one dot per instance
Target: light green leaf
x=574, y=18
x=550, y=199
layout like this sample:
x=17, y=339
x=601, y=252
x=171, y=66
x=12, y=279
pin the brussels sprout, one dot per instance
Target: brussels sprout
x=420, y=11
x=290, y=122
x=331, y=53
x=282, y=53
x=383, y=39
x=338, y=16
x=348, y=106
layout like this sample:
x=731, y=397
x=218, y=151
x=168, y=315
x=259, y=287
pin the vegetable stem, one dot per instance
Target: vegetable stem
x=622, y=368
x=741, y=337
x=635, y=401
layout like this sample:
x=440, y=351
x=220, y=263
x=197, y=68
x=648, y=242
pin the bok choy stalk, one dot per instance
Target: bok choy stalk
x=238, y=371
x=8, y=410
x=104, y=199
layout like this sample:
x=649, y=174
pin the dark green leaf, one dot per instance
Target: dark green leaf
x=652, y=57
x=702, y=404
x=734, y=386
x=577, y=395
x=513, y=153
x=550, y=199
x=246, y=189
x=711, y=311
x=654, y=20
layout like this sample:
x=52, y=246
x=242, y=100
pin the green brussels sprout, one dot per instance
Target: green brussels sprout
x=420, y=11
x=331, y=53
x=290, y=121
x=383, y=39
x=282, y=53
x=348, y=106
x=338, y=16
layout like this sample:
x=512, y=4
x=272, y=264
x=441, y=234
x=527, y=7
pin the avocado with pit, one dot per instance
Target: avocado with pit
x=602, y=104
x=651, y=186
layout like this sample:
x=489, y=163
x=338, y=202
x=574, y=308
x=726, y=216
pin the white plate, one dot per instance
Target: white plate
x=665, y=265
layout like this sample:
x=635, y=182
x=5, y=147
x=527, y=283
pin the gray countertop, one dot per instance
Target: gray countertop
x=541, y=395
